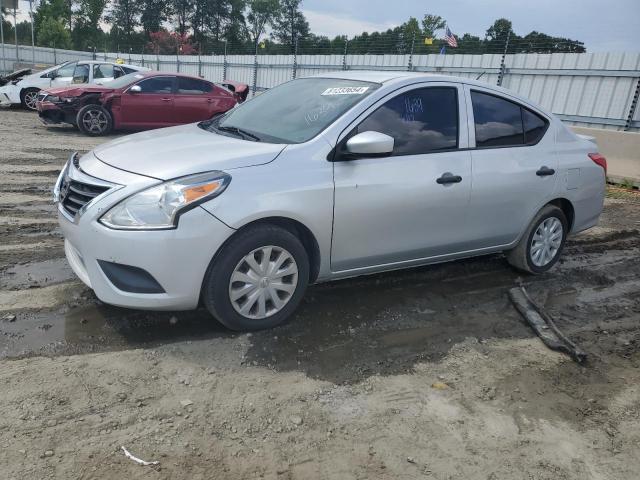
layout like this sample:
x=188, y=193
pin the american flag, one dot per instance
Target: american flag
x=450, y=38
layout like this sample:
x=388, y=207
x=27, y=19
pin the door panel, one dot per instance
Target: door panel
x=393, y=209
x=192, y=100
x=152, y=107
x=507, y=191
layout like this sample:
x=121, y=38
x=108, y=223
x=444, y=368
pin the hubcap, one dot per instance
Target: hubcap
x=94, y=121
x=263, y=282
x=546, y=242
x=30, y=99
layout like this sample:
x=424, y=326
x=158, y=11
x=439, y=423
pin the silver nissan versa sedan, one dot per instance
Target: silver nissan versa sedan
x=323, y=178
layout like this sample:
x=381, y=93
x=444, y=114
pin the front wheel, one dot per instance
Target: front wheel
x=94, y=120
x=257, y=279
x=542, y=243
x=29, y=98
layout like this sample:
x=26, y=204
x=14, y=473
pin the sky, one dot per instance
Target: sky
x=603, y=25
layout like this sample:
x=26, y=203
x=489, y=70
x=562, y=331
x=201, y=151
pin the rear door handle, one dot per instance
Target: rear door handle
x=545, y=171
x=166, y=99
x=448, y=177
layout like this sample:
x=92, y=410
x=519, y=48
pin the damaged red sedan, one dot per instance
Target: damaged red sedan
x=139, y=101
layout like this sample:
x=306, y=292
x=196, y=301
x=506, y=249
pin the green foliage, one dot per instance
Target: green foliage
x=54, y=33
x=240, y=26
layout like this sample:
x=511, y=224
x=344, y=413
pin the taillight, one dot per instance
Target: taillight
x=600, y=160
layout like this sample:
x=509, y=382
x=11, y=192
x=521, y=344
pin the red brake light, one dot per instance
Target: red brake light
x=600, y=160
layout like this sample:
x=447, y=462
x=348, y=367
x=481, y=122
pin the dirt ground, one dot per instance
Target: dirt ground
x=426, y=373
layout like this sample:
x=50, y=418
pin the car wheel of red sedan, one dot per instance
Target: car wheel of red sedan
x=94, y=120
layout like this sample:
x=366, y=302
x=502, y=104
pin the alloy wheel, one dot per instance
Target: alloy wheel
x=546, y=242
x=30, y=99
x=263, y=282
x=95, y=121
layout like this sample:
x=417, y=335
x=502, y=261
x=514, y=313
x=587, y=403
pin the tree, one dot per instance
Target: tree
x=289, y=23
x=165, y=43
x=153, y=14
x=87, y=32
x=431, y=23
x=183, y=12
x=261, y=13
x=125, y=17
x=54, y=33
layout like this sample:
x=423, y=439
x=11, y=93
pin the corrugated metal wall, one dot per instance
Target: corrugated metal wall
x=587, y=89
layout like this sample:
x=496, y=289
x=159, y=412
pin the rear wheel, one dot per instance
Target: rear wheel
x=541, y=245
x=29, y=97
x=257, y=279
x=94, y=120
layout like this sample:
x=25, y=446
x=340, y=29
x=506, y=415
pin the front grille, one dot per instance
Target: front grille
x=74, y=195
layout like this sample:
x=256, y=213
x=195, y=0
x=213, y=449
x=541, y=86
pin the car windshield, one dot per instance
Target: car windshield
x=125, y=80
x=293, y=112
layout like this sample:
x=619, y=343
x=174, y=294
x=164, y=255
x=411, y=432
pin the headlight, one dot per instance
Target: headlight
x=52, y=98
x=159, y=207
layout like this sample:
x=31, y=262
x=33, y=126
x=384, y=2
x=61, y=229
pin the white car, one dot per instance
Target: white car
x=25, y=90
x=323, y=178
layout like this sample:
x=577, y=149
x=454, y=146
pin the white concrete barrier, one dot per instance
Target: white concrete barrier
x=622, y=150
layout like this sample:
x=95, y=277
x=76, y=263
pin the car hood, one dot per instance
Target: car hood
x=76, y=90
x=173, y=152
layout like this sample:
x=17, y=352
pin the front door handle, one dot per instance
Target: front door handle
x=166, y=99
x=448, y=178
x=545, y=171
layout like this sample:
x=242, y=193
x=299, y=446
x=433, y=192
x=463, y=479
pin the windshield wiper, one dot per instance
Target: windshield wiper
x=238, y=131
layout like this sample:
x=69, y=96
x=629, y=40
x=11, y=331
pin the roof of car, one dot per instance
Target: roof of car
x=155, y=73
x=401, y=78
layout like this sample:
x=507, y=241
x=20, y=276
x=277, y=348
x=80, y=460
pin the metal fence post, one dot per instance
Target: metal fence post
x=55, y=56
x=633, y=107
x=157, y=61
x=344, y=55
x=199, y=64
x=255, y=70
x=142, y=56
x=413, y=43
x=178, y=58
x=224, y=62
x=503, y=67
x=295, y=59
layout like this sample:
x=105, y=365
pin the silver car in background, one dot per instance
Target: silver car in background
x=323, y=178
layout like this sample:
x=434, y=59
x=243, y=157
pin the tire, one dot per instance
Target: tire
x=94, y=120
x=28, y=98
x=218, y=287
x=526, y=257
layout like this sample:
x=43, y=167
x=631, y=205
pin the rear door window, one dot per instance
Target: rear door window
x=498, y=122
x=103, y=70
x=420, y=121
x=502, y=123
x=157, y=85
x=534, y=126
x=193, y=86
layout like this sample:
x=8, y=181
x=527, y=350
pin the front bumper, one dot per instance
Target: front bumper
x=50, y=113
x=176, y=259
x=9, y=95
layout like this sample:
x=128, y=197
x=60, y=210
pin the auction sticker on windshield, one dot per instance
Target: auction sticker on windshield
x=345, y=91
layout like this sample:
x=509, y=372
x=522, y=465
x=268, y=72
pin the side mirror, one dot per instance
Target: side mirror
x=135, y=89
x=370, y=144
